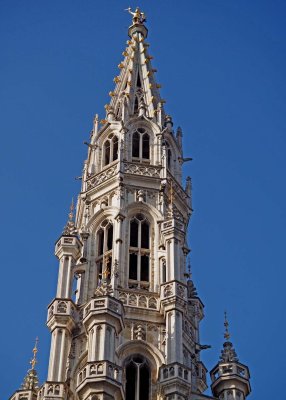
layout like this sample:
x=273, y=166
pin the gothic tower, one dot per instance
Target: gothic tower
x=125, y=319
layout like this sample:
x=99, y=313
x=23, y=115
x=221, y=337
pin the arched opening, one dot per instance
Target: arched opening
x=135, y=144
x=107, y=152
x=169, y=158
x=136, y=105
x=145, y=146
x=138, y=379
x=114, y=148
x=104, y=246
x=110, y=150
x=139, y=252
x=141, y=145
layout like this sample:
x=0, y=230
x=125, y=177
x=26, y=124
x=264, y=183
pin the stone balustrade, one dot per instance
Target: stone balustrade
x=173, y=288
x=51, y=391
x=93, y=371
x=175, y=370
x=141, y=169
x=225, y=369
x=23, y=395
x=131, y=299
x=103, y=176
x=61, y=307
x=102, y=303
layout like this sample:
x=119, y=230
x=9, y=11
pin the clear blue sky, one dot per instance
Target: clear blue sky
x=222, y=67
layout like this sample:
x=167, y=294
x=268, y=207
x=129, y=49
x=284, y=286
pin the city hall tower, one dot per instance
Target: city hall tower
x=125, y=319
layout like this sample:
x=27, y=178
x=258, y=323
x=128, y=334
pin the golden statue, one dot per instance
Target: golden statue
x=138, y=17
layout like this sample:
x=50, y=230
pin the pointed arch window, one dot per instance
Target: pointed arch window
x=139, y=252
x=110, y=150
x=138, y=379
x=169, y=156
x=104, y=245
x=140, y=145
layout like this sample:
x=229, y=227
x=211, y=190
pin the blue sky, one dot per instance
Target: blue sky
x=222, y=67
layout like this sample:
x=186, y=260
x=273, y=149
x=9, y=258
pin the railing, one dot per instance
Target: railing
x=177, y=187
x=60, y=307
x=23, y=395
x=102, y=303
x=102, y=176
x=142, y=169
x=51, y=390
x=175, y=370
x=132, y=299
x=173, y=288
x=230, y=368
x=99, y=370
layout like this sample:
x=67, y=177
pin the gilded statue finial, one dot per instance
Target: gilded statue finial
x=226, y=324
x=138, y=17
x=71, y=211
x=33, y=362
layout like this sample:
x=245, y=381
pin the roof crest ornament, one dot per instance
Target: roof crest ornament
x=138, y=17
x=226, y=324
x=70, y=228
x=31, y=379
x=34, y=361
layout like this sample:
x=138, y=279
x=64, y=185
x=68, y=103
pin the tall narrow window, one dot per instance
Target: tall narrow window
x=141, y=145
x=110, y=150
x=169, y=158
x=145, y=146
x=136, y=105
x=107, y=152
x=139, y=252
x=136, y=145
x=104, y=246
x=114, y=148
x=137, y=379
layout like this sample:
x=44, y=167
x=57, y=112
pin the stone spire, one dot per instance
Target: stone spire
x=136, y=91
x=31, y=379
x=70, y=229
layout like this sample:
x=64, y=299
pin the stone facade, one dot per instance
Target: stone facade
x=125, y=320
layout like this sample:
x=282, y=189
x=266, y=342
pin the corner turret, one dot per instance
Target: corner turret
x=230, y=378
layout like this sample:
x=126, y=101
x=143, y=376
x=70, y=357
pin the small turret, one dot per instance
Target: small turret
x=230, y=378
x=29, y=387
